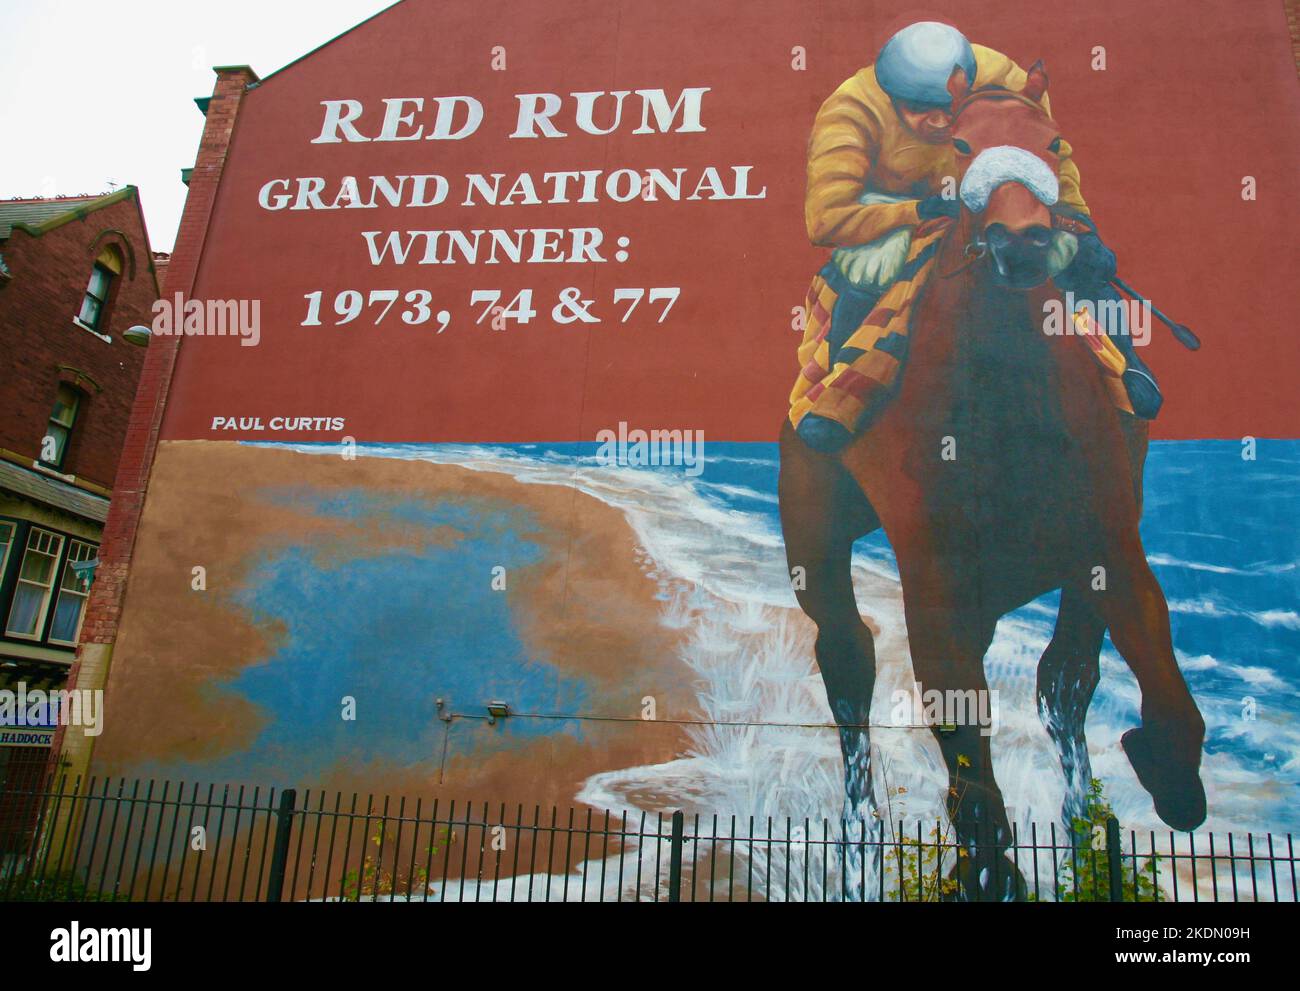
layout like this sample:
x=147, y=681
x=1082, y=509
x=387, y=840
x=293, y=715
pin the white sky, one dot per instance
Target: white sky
x=92, y=92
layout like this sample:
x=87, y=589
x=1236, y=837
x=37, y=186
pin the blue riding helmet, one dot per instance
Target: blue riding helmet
x=915, y=63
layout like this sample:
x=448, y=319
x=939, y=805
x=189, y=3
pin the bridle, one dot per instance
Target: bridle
x=994, y=93
x=977, y=248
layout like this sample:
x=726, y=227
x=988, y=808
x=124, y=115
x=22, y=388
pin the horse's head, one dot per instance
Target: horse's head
x=1007, y=148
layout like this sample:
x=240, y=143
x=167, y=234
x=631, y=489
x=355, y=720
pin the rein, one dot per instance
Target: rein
x=978, y=248
x=973, y=252
x=994, y=93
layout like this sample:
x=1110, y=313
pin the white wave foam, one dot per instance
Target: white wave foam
x=741, y=492
x=768, y=749
x=1287, y=619
x=1157, y=560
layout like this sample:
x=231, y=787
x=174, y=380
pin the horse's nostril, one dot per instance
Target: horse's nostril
x=1019, y=257
x=1039, y=236
x=997, y=234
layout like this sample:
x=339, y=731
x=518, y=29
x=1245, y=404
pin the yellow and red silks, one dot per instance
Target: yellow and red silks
x=870, y=361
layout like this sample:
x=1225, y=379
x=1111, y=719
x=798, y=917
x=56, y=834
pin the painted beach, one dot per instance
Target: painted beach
x=640, y=625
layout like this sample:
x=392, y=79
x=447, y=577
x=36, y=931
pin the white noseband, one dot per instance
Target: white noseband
x=1007, y=163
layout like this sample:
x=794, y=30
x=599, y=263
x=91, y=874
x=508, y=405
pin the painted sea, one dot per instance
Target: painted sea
x=1219, y=531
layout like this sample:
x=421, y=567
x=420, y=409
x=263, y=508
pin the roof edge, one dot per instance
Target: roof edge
x=78, y=212
x=342, y=34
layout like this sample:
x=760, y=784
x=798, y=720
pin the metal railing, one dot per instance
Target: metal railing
x=119, y=840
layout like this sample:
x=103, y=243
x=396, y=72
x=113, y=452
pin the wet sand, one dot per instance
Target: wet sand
x=586, y=607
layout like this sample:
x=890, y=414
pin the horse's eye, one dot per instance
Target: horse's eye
x=1055, y=146
x=961, y=146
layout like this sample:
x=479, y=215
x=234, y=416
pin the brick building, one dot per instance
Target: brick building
x=75, y=273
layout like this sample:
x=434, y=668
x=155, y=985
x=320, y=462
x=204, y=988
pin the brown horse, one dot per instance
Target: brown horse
x=1000, y=470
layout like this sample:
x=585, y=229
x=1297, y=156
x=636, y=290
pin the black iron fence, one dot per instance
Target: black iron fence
x=147, y=841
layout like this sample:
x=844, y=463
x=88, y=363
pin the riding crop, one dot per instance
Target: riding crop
x=1183, y=333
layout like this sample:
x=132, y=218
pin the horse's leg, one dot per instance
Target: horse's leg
x=822, y=512
x=1166, y=750
x=948, y=647
x=1069, y=671
x=1068, y=674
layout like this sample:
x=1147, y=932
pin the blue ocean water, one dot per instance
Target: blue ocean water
x=1220, y=534
x=1218, y=530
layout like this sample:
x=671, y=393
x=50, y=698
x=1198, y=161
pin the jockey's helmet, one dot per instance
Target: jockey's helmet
x=915, y=64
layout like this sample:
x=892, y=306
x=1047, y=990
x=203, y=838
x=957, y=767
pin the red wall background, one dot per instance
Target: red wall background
x=1196, y=95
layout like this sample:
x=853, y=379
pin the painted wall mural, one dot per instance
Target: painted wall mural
x=518, y=422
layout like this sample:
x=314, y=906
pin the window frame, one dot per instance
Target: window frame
x=101, y=302
x=78, y=397
x=19, y=580
x=7, y=546
x=84, y=595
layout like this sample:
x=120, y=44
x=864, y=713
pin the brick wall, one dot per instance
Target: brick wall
x=104, y=607
x=1293, y=22
x=50, y=274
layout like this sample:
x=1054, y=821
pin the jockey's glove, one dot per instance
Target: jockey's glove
x=937, y=206
x=823, y=434
x=1092, y=268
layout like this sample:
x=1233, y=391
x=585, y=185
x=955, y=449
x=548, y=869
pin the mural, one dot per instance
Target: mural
x=994, y=486
x=990, y=549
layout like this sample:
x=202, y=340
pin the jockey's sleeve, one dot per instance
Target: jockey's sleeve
x=842, y=150
x=996, y=69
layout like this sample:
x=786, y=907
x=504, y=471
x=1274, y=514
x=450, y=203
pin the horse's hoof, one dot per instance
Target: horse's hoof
x=995, y=881
x=1173, y=782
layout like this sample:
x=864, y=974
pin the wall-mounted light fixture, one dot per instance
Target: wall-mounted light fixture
x=138, y=335
x=497, y=710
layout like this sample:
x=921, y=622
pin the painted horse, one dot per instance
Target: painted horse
x=1000, y=469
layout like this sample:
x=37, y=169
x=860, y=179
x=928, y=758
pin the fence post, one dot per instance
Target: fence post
x=675, y=858
x=280, y=856
x=1113, y=859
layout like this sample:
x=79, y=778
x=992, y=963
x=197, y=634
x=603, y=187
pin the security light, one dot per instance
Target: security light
x=497, y=710
x=138, y=335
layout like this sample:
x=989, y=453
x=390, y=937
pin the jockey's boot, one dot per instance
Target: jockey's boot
x=1143, y=390
x=823, y=434
x=1139, y=381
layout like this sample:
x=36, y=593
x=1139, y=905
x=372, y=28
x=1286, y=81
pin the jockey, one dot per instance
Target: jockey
x=879, y=153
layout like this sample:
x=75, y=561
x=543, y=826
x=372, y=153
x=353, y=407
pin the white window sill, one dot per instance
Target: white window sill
x=54, y=473
x=30, y=638
x=91, y=330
